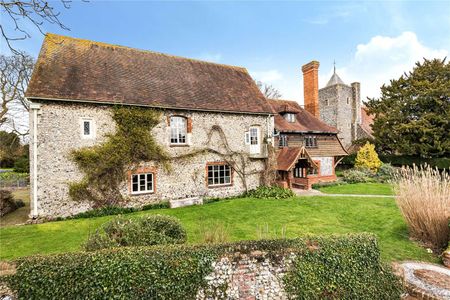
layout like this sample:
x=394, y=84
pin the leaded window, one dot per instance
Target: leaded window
x=219, y=175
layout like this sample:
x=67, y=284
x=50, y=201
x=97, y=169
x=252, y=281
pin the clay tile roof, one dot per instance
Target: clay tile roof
x=305, y=121
x=83, y=70
x=366, y=121
x=287, y=157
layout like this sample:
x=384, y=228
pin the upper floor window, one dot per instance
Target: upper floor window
x=348, y=100
x=310, y=141
x=178, y=130
x=87, y=128
x=283, y=141
x=290, y=117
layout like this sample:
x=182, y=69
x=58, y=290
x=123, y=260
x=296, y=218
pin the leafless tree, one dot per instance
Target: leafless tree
x=36, y=12
x=268, y=90
x=15, y=73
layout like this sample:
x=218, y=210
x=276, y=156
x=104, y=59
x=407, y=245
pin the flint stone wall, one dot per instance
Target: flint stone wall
x=247, y=276
x=59, y=132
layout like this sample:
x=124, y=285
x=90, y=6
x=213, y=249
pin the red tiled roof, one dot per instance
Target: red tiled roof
x=305, y=121
x=366, y=121
x=287, y=157
x=82, y=70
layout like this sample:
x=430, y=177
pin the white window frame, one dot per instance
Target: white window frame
x=177, y=129
x=216, y=168
x=247, y=138
x=290, y=117
x=146, y=190
x=91, y=134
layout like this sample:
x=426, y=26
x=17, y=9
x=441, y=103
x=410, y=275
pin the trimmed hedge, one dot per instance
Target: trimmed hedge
x=269, y=192
x=404, y=160
x=333, y=267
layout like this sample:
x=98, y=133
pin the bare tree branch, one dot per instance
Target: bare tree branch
x=15, y=73
x=36, y=12
x=268, y=90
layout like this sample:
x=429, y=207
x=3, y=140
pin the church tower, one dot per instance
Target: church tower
x=340, y=107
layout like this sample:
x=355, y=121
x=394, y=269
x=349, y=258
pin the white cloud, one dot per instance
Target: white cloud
x=211, y=57
x=381, y=59
x=268, y=76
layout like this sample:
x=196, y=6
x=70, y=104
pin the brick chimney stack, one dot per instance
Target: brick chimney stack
x=311, y=87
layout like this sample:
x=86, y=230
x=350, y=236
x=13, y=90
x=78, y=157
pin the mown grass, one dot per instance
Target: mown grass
x=243, y=218
x=359, y=189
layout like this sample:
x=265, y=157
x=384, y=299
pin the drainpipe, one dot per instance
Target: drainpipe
x=35, y=109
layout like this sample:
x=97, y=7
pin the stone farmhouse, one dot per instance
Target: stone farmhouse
x=213, y=122
x=74, y=87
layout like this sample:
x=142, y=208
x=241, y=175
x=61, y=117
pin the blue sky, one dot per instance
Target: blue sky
x=371, y=42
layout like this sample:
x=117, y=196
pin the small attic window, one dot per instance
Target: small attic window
x=290, y=117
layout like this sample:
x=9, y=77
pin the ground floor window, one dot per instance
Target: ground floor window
x=142, y=183
x=219, y=174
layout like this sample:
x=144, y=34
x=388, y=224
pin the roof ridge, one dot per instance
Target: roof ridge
x=58, y=36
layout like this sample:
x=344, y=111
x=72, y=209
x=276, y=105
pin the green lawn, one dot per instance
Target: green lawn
x=244, y=219
x=359, y=189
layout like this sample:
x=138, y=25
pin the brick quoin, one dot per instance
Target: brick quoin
x=311, y=87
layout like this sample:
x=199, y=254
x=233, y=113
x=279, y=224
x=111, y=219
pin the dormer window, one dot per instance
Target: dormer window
x=290, y=117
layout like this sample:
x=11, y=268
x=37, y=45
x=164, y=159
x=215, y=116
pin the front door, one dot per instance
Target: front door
x=255, y=143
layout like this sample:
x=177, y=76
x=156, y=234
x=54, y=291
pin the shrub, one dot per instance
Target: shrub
x=22, y=165
x=385, y=173
x=144, y=231
x=405, y=160
x=367, y=158
x=342, y=267
x=270, y=192
x=8, y=203
x=114, y=210
x=325, y=184
x=356, y=176
x=422, y=195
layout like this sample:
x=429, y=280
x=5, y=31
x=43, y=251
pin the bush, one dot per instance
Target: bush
x=270, y=192
x=114, y=210
x=339, y=267
x=367, y=158
x=385, y=173
x=8, y=203
x=422, y=195
x=356, y=176
x=325, y=184
x=22, y=165
x=404, y=160
x=144, y=231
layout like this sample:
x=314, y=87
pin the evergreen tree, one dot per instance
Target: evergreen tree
x=412, y=116
x=367, y=158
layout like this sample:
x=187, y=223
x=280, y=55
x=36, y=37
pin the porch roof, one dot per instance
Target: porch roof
x=287, y=157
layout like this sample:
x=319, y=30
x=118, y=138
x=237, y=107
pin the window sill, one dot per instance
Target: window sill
x=179, y=145
x=219, y=186
x=141, y=193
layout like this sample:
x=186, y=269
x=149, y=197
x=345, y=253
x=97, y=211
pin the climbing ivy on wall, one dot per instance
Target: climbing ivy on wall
x=104, y=165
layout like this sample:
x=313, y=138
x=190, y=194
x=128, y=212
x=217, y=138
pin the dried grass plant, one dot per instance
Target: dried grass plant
x=423, y=196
